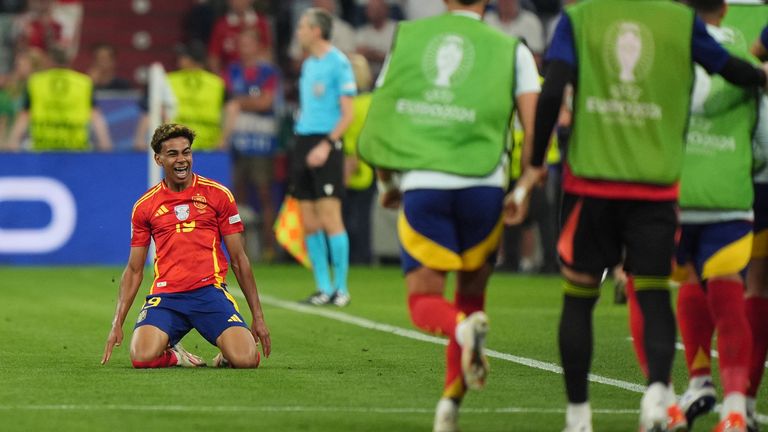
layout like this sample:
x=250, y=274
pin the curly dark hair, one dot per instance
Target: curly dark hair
x=168, y=131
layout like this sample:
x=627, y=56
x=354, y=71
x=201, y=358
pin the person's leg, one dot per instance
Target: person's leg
x=317, y=247
x=429, y=249
x=216, y=316
x=756, y=305
x=727, y=247
x=149, y=348
x=238, y=346
x=649, y=235
x=329, y=214
x=588, y=244
x=159, y=328
x=756, y=302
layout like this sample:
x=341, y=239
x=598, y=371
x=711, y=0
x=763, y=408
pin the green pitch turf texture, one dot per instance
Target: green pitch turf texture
x=324, y=374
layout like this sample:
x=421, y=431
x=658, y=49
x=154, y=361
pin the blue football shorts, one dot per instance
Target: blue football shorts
x=450, y=230
x=209, y=310
x=715, y=249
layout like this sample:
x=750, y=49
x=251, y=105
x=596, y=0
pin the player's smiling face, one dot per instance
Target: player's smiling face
x=176, y=160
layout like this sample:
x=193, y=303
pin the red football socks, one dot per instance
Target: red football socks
x=432, y=313
x=734, y=339
x=757, y=315
x=696, y=328
x=166, y=359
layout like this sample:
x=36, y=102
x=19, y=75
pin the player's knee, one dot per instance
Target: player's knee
x=140, y=357
x=245, y=361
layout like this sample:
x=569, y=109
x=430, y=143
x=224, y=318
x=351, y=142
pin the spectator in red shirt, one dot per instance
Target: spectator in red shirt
x=222, y=49
x=38, y=28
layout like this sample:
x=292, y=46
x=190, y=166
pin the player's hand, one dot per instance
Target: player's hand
x=391, y=199
x=261, y=334
x=516, y=202
x=319, y=154
x=114, y=339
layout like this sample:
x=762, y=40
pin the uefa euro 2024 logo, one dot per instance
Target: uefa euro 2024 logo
x=629, y=54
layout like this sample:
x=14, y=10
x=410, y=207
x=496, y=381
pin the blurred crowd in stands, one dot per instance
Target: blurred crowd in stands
x=243, y=61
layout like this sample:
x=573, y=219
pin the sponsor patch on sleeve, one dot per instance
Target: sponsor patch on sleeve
x=234, y=219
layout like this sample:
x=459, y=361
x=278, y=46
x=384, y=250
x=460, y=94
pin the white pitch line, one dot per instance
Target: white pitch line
x=308, y=409
x=413, y=334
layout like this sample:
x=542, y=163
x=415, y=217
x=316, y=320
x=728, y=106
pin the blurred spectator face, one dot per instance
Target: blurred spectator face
x=377, y=11
x=328, y=5
x=248, y=45
x=23, y=65
x=240, y=6
x=104, y=58
x=306, y=33
x=185, y=62
x=508, y=8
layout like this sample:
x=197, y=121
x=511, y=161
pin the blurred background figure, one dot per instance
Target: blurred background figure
x=513, y=20
x=358, y=176
x=103, y=69
x=12, y=92
x=240, y=15
x=374, y=39
x=37, y=28
x=342, y=34
x=200, y=96
x=416, y=9
x=58, y=108
x=253, y=85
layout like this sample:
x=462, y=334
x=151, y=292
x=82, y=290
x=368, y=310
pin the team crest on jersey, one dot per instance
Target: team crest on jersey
x=182, y=212
x=199, y=201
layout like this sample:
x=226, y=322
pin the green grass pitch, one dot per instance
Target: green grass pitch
x=338, y=371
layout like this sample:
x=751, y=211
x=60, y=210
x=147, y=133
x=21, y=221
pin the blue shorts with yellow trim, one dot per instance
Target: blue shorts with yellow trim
x=209, y=310
x=760, y=244
x=450, y=230
x=715, y=249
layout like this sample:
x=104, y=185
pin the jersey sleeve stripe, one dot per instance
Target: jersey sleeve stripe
x=207, y=182
x=145, y=197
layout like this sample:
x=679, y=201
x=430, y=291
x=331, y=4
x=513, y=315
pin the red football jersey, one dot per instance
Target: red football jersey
x=188, y=228
x=223, y=43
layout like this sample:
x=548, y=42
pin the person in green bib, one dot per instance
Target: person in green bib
x=439, y=120
x=199, y=100
x=631, y=64
x=716, y=234
x=59, y=110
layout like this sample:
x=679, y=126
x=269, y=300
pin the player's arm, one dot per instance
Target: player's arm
x=101, y=130
x=760, y=46
x=716, y=60
x=130, y=282
x=18, y=130
x=526, y=96
x=241, y=267
x=319, y=154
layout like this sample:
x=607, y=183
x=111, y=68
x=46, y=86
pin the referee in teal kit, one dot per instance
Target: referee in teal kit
x=326, y=88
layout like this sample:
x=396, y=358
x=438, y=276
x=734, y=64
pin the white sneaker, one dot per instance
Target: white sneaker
x=474, y=364
x=578, y=417
x=446, y=416
x=581, y=427
x=341, y=300
x=219, y=361
x=653, y=409
x=318, y=299
x=185, y=358
x=698, y=400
